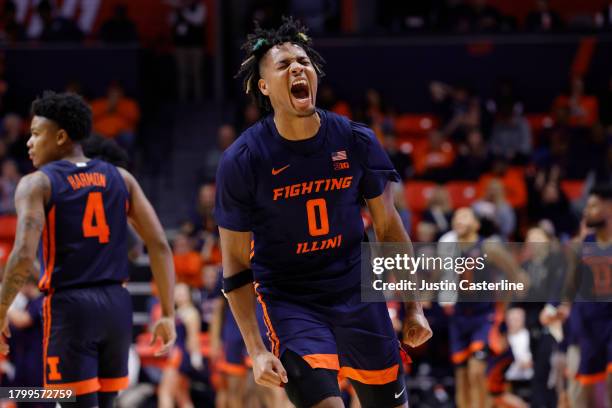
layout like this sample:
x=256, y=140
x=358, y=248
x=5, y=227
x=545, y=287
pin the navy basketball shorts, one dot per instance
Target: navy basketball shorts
x=344, y=335
x=87, y=334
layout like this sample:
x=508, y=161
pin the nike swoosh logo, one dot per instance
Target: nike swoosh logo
x=400, y=394
x=277, y=171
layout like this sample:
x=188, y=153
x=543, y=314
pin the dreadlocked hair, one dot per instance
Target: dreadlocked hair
x=257, y=45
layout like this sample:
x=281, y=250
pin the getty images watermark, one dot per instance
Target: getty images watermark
x=483, y=271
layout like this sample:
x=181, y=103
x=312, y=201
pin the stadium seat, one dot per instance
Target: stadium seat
x=462, y=193
x=418, y=193
x=537, y=123
x=414, y=125
x=573, y=189
x=8, y=226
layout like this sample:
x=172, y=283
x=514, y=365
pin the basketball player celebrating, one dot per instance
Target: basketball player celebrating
x=295, y=181
x=81, y=207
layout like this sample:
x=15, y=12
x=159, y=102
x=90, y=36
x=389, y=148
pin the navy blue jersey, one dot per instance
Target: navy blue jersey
x=84, y=241
x=595, y=279
x=301, y=200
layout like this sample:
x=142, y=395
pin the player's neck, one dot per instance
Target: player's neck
x=297, y=128
x=75, y=154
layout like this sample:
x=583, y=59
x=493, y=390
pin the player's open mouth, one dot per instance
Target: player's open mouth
x=300, y=91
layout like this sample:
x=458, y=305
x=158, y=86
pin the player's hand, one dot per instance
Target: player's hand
x=4, y=327
x=165, y=330
x=416, y=329
x=268, y=370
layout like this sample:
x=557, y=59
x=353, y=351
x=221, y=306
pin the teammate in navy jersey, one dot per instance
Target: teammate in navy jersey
x=295, y=180
x=471, y=320
x=80, y=208
x=592, y=281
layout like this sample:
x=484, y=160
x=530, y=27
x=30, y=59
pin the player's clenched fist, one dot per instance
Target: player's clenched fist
x=268, y=370
x=416, y=330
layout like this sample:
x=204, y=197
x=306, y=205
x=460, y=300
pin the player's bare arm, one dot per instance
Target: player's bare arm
x=236, y=247
x=144, y=220
x=388, y=228
x=30, y=197
x=506, y=262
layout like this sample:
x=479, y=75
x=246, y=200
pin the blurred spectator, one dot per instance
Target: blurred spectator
x=49, y=26
x=318, y=15
x=603, y=19
x=426, y=232
x=439, y=211
x=26, y=336
x=187, y=19
x=10, y=30
x=84, y=12
x=119, y=28
x=116, y=116
x=511, y=136
x=583, y=109
x=458, y=109
x=400, y=159
x=187, y=262
x=434, y=158
x=326, y=99
x=473, y=158
x=543, y=19
x=9, y=178
x=15, y=137
x=399, y=199
x=376, y=113
x=521, y=368
x=513, y=180
x=226, y=134
x=493, y=205
x=175, y=381
x=548, y=201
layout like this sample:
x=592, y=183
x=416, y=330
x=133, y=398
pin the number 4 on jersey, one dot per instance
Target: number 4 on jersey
x=94, y=212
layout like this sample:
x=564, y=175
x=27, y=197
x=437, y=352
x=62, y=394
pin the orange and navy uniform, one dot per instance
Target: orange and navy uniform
x=83, y=255
x=593, y=312
x=302, y=202
x=471, y=320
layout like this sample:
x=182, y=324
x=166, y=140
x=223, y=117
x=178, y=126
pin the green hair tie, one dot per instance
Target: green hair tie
x=303, y=37
x=260, y=43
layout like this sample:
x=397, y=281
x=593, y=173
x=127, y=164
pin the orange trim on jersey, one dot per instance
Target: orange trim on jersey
x=274, y=341
x=371, y=377
x=113, y=384
x=329, y=361
x=460, y=356
x=590, y=379
x=79, y=387
x=45, y=254
x=46, y=333
x=48, y=249
x=232, y=369
x=609, y=368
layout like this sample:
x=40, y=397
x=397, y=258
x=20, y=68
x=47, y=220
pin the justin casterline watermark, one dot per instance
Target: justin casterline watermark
x=485, y=271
